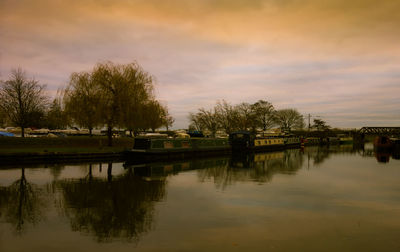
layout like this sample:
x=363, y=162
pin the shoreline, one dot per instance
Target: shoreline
x=16, y=159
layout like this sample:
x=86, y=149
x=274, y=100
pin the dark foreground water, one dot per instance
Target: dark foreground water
x=317, y=199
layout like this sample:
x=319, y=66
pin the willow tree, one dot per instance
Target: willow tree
x=155, y=115
x=140, y=93
x=56, y=116
x=2, y=117
x=21, y=98
x=123, y=89
x=114, y=95
x=82, y=99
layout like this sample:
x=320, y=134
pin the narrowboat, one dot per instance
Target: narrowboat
x=308, y=141
x=395, y=141
x=155, y=149
x=345, y=139
x=292, y=141
x=333, y=140
x=247, y=141
x=383, y=143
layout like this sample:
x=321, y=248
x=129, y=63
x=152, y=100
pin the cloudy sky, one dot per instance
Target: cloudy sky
x=337, y=59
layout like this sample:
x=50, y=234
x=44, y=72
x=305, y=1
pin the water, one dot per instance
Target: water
x=317, y=199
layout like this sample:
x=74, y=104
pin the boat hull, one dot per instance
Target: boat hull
x=148, y=150
x=383, y=143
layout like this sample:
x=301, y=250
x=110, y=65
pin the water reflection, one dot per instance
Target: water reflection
x=21, y=204
x=118, y=207
x=384, y=156
x=381, y=156
x=113, y=202
x=258, y=167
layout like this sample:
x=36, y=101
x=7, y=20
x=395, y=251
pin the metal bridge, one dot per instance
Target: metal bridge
x=380, y=131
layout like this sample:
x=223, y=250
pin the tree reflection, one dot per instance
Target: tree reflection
x=258, y=167
x=56, y=170
x=319, y=154
x=21, y=204
x=225, y=171
x=119, y=207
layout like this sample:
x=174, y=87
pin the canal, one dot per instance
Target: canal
x=316, y=199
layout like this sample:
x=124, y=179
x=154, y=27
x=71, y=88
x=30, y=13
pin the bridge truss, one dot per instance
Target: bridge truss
x=380, y=131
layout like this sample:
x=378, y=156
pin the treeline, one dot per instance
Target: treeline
x=111, y=96
x=259, y=116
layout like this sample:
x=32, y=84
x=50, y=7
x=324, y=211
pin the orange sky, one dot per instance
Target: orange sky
x=334, y=58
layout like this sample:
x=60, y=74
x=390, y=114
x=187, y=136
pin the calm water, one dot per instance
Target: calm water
x=318, y=199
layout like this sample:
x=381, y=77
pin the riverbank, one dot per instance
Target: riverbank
x=72, y=144
x=58, y=150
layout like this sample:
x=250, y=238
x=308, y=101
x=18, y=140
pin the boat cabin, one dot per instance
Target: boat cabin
x=241, y=139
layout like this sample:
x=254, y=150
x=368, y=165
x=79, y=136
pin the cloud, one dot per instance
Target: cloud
x=322, y=57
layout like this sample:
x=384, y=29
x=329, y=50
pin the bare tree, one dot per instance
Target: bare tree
x=168, y=119
x=20, y=98
x=195, y=123
x=288, y=119
x=227, y=116
x=320, y=125
x=264, y=114
x=205, y=119
x=246, y=116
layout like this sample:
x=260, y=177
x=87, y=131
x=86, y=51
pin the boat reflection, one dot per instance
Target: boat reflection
x=259, y=167
x=384, y=156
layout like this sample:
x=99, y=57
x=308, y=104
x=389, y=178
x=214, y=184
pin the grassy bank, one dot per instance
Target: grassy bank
x=73, y=144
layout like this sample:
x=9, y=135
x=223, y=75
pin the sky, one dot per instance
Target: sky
x=336, y=60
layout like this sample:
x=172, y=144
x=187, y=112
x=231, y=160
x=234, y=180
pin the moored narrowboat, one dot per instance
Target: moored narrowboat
x=333, y=140
x=247, y=141
x=345, y=139
x=152, y=149
x=383, y=143
x=395, y=141
x=292, y=141
x=308, y=141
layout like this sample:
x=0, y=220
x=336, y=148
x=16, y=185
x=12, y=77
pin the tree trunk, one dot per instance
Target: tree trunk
x=109, y=134
x=90, y=175
x=90, y=132
x=109, y=172
x=22, y=131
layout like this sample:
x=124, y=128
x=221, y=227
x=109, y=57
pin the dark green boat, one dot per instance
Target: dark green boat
x=152, y=149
